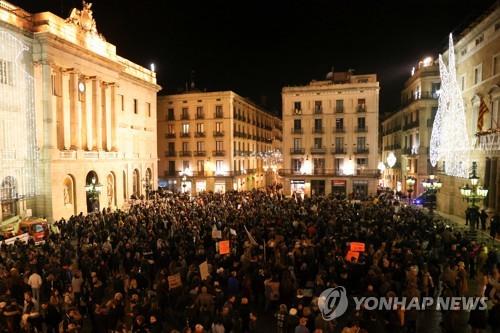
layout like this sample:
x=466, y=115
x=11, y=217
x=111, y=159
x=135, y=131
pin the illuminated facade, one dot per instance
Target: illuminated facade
x=477, y=54
x=95, y=116
x=406, y=133
x=332, y=135
x=18, y=153
x=215, y=141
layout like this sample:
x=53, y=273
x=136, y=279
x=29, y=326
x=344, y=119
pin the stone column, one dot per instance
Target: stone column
x=106, y=117
x=76, y=112
x=487, y=171
x=96, y=114
x=87, y=116
x=114, y=118
x=66, y=111
x=492, y=188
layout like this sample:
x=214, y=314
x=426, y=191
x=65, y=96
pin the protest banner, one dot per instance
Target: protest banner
x=357, y=247
x=204, y=270
x=350, y=255
x=224, y=247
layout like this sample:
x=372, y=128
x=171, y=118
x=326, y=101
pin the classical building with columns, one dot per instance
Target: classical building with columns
x=477, y=51
x=94, y=117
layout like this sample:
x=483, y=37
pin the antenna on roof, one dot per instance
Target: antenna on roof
x=192, y=79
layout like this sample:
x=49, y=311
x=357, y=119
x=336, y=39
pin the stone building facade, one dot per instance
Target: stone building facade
x=95, y=116
x=215, y=141
x=332, y=135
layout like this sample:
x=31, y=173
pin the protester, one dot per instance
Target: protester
x=141, y=270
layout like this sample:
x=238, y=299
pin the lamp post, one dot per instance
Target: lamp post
x=432, y=186
x=410, y=181
x=473, y=194
x=93, y=190
x=391, y=161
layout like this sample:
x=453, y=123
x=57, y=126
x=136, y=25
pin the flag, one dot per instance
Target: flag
x=250, y=237
x=480, y=117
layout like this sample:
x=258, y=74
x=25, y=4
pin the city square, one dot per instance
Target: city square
x=301, y=167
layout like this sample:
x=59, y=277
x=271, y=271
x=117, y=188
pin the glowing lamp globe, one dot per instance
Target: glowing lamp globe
x=381, y=166
x=391, y=159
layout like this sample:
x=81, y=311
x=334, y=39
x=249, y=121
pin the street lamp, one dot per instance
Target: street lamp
x=410, y=181
x=473, y=194
x=432, y=185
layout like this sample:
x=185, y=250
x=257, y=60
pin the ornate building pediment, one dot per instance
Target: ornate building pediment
x=83, y=18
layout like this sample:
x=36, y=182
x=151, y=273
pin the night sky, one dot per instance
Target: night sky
x=257, y=47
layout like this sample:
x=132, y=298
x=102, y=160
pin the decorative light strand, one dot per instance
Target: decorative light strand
x=449, y=139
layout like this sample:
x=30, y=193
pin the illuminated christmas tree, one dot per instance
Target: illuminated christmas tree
x=449, y=138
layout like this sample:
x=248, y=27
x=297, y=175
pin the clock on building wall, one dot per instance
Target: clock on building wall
x=81, y=87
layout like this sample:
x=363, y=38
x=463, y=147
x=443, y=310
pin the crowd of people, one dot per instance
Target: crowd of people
x=161, y=267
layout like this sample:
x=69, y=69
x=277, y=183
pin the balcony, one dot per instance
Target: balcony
x=218, y=133
x=426, y=95
x=199, y=134
x=170, y=135
x=364, y=173
x=362, y=129
x=170, y=118
x=297, y=151
x=218, y=115
x=185, y=135
x=318, y=110
x=200, y=153
x=392, y=129
x=411, y=125
x=316, y=150
x=339, y=130
x=361, y=108
x=185, y=153
x=297, y=111
x=219, y=153
x=63, y=155
x=361, y=151
x=200, y=115
x=297, y=130
x=171, y=173
x=185, y=116
x=170, y=153
x=339, y=109
x=340, y=151
x=318, y=130
x=409, y=151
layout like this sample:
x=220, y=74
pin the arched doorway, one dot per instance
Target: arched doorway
x=148, y=186
x=136, y=183
x=93, y=189
x=8, y=197
x=69, y=194
x=111, y=190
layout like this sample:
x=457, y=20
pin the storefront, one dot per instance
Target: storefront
x=339, y=187
x=201, y=186
x=317, y=187
x=220, y=186
x=298, y=186
x=360, y=189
